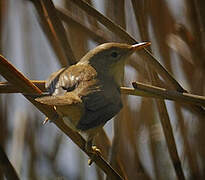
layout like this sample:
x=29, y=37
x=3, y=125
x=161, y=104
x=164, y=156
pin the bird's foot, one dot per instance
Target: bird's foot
x=54, y=118
x=94, y=151
x=46, y=120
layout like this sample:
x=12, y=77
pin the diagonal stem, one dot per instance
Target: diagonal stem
x=12, y=75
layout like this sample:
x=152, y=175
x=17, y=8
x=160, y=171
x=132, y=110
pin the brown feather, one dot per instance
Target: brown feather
x=66, y=99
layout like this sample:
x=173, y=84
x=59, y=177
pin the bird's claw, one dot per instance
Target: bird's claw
x=45, y=120
x=94, y=151
x=54, y=118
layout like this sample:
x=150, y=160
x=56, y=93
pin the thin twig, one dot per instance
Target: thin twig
x=60, y=31
x=50, y=33
x=54, y=31
x=95, y=33
x=170, y=94
x=167, y=129
x=6, y=87
x=140, y=89
x=12, y=75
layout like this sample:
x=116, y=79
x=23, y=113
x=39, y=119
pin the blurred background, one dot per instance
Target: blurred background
x=138, y=148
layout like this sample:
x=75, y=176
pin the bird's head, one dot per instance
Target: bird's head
x=109, y=59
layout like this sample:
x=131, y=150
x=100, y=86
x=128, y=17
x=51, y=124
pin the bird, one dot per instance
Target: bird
x=87, y=94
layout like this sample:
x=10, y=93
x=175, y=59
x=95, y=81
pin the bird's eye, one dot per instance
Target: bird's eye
x=114, y=54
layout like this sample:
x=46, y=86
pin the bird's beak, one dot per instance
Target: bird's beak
x=138, y=46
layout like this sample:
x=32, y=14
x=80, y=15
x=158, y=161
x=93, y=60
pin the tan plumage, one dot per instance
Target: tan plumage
x=87, y=94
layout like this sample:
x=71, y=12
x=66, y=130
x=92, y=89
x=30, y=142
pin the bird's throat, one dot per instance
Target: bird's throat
x=117, y=72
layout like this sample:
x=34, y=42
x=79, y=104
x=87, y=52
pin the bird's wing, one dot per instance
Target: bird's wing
x=60, y=100
x=67, y=86
x=95, y=101
x=52, y=80
x=100, y=107
x=99, y=117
